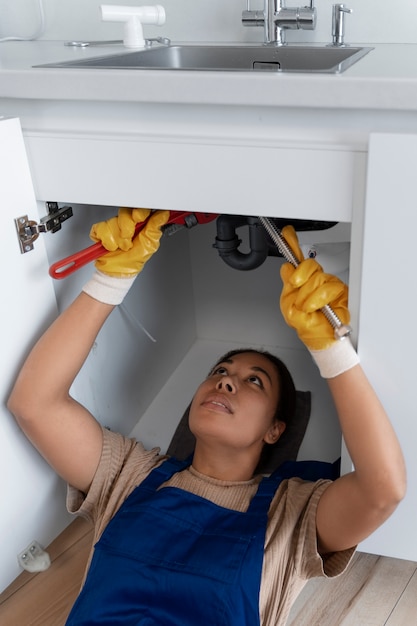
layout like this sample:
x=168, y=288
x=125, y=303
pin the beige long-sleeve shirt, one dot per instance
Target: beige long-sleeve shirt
x=290, y=556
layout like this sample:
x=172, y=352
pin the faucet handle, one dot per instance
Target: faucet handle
x=338, y=24
x=252, y=18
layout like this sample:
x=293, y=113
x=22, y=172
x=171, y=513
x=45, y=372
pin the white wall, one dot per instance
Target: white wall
x=145, y=339
x=241, y=309
x=373, y=21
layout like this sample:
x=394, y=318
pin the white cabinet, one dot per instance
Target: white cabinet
x=192, y=306
x=205, y=165
x=387, y=342
x=292, y=180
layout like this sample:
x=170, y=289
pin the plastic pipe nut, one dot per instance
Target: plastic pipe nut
x=133, y=18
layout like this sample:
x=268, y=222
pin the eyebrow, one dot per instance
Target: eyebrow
x=261, y=369
x=254, y=368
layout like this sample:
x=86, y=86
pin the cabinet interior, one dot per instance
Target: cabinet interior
x=186, y=309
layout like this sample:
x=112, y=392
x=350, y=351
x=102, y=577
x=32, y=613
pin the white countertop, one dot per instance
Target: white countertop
x=385, y=79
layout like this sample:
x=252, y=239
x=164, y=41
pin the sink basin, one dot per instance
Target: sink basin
x=241, y=58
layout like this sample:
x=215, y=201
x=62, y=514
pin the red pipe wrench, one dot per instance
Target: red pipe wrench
x=65, y=267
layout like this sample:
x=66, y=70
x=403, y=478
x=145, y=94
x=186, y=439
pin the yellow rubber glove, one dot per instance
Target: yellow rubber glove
x=116, y=270
x=306, y=290
x=128, y=254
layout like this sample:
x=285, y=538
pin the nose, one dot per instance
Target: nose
x=226, y=383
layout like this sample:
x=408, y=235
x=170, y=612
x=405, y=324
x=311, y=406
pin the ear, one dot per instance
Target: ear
x=274, y=432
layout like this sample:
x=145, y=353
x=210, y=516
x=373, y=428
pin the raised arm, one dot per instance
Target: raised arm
x=65, y=432
x=359, y=502
x=62, y=430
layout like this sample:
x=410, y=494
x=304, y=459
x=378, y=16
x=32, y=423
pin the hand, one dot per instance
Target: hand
x=118, y=268
x=306, y=290
x=128, y=254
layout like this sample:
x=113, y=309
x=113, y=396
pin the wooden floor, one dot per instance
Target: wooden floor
x=376, y=591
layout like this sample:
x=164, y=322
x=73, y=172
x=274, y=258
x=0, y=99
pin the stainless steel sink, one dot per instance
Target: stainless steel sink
x=240, y=58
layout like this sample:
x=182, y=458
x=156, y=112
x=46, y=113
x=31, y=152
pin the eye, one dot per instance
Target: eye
x=220, y=370
x=256, y=380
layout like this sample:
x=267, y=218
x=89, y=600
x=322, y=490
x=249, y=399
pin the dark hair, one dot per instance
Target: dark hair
x=285, y=409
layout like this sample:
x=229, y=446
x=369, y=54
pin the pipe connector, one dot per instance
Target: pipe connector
x=133, y=18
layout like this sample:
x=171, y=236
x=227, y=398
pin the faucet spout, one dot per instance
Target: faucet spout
x=276, y=18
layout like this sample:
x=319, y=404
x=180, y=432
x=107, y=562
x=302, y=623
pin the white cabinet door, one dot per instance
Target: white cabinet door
x=30, y=508
x=387, y=340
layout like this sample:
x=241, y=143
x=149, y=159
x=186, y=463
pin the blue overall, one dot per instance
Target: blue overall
x=171, y=558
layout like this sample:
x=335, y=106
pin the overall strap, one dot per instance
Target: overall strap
x=267, y=488
x=310, y=470
x=306, y=470
x=163, y=473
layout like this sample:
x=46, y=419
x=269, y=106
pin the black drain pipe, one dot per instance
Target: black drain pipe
x=227, y=242
x=261, y=246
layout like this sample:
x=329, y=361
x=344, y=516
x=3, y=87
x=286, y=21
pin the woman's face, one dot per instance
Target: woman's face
x=236, y=404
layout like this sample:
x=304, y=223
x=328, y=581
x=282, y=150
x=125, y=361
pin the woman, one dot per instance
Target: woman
x=212, y=542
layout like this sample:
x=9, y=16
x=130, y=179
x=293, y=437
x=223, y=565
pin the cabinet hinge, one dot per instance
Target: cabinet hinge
x=28, y=230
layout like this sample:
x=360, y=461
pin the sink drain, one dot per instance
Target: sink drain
x=267, y=66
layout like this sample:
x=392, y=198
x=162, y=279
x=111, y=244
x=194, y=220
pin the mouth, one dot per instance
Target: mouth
x=218, y=404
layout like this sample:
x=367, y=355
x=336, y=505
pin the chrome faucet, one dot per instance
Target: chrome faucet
x=338, y=24
x=276, y=18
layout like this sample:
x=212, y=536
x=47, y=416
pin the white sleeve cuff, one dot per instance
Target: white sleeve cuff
x=339, y=358
x=108, y=289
